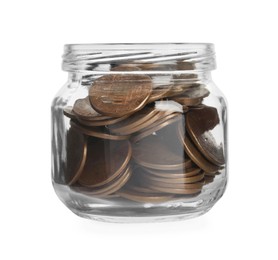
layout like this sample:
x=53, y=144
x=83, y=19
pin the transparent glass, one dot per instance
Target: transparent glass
x=139, y=132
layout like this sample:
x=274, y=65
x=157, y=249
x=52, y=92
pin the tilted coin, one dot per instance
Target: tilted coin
x=199, y=123
x=194, y=154
x=97, y=132
x=101, y=122
x=111, y=187
x=187, y=172
x=76, y=148
x=135, y=122
x=105, y=161
x=158, y=125
x=83, y=109
x=69, y=113
x=180, y=180
x=152, y=153
x=159, y=93
x=192, y=97
x=171, y=185
x=118, y=95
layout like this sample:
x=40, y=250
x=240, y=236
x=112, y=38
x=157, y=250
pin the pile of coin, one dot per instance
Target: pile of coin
x=141, y=141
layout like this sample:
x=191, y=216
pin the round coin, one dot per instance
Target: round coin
x=83, y=109
x=181, y=180
x=159, y=93
x=152, y=153
x=97, y=132
x=69, y=113
x=188, y=172
x=135, y=122
x=199, y=123
x=76, y=148
x=119, y=95
x=101, y=122
x=171, y=185
x=110, y=188
x=105, y=161
x=195, y=155
x=192, y=96
x=158, y=125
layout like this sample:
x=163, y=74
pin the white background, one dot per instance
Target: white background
x=34, y=224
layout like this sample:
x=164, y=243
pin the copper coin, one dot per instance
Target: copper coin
x=188, y=172
x=101, y=122
x=193, y=96
x=195, y=155
x=112, y=187
x=76, y=148
x=176, y=191
x=97, y=132
x=159, y=93
x=69, y=113
x=83, y=109
x=105, y=161
x=181, y=180
x=188, y=102
x=119, y=95
x=160, y=124
x=199, y=123
x=152, y=153
x=171, y=185
x=144, y=197
x=135, y=121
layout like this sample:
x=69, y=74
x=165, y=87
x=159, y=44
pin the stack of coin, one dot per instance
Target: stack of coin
x=144, y=141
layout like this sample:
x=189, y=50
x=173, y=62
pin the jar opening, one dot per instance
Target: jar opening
x=142, y=58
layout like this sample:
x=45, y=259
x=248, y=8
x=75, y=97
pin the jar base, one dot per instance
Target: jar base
x=119, y=210
x=126, y=220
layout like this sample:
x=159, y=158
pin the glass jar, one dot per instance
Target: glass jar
x=139, y=132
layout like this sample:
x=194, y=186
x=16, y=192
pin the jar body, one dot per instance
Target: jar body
x=129, y=145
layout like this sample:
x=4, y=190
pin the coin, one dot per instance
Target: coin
x=69, y=113
x=160, y=124
x=171, y=185
x=83, y=109
x=110, y=188
x=97, y=132
x=152, y=153
x=194, y=154
x=181, y=180
x=192, y=97
x=102, y=122
x=105, y=161
x=119, y=95
x=187, y=172
x=159, y=93
x=199, y=123
x=76, y=148
x=136, y=121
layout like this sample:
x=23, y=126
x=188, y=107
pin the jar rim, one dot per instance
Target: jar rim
x=136, y=46
x=96, y=58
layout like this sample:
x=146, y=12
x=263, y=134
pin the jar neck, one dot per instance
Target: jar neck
x=148, y=58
